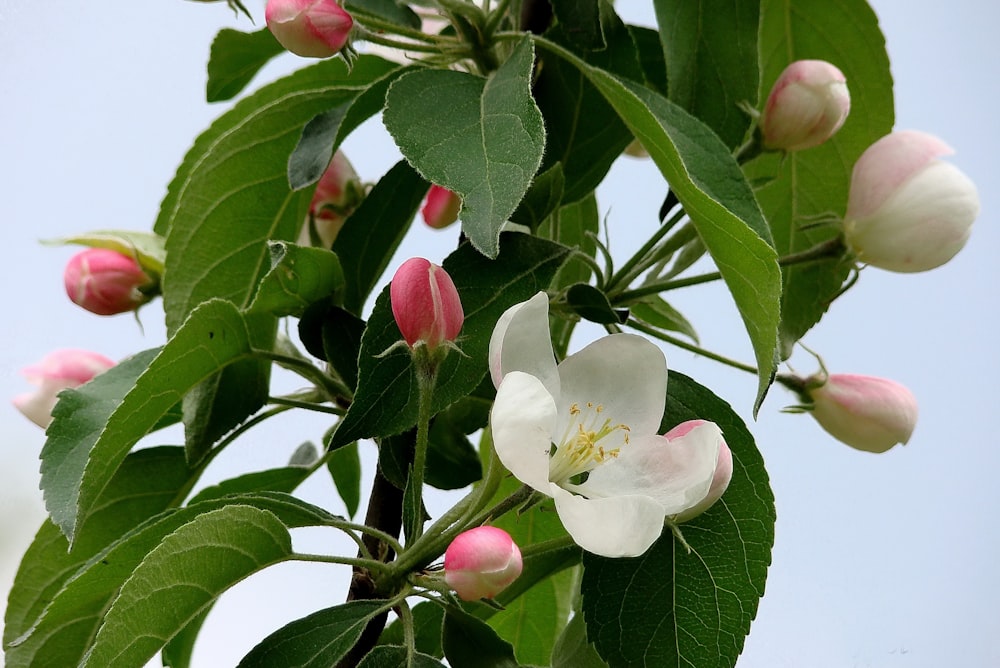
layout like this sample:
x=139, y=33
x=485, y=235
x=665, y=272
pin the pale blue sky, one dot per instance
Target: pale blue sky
x=880, y=560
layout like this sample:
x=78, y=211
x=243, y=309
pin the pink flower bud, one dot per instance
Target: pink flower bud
x=441, y=208
x=867, y=413
x=106, y=282
x=807, y=105
x=481, y=563
x=723, y=469
x=338, y=193
x=425, y=303
x=59, y=370
x=908, y=211
x=310, y=28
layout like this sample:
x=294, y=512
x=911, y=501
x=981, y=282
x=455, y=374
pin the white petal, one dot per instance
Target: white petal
x=523, y=418
x=521, y=342
x=618, y=526
x=624, y=373
x=677, y=473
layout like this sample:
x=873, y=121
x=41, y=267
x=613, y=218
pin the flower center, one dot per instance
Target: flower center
x=580, y=449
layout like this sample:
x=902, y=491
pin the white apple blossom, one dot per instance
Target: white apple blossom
x=585, y=433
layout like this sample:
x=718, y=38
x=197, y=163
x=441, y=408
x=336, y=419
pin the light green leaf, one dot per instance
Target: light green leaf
x=298, y=277
x=182, y=576
x=573, y=650
x=710, y=50
x=95, y=426
x=814, y=182
x=235, y=58
x=670, y=607
x=488, y=145
x=708, y=182
x=146, y=247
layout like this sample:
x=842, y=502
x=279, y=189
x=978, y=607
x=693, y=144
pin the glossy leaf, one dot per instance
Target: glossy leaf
x=486, y=148
x=710, y=49
x=669, y=607
x=591, y=304
x=814, y=182
x=235, y=59
x=95, y=426
x=386, y=400
x=467, y=641
x=298, y=277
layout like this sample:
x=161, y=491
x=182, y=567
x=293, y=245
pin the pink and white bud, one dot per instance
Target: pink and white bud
x=441, y=208
x=723, y=467
x=481, y=563
x=907, y=210
x=59, y=370
x=425, y=303
x=309, y=28
x=865, y=412
x=338, y=193
x=807, y=105
x=106, y=282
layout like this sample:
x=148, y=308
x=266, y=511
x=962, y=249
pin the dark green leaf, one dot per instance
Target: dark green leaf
x=96, y=425
x=815, y=182
x=711, y=55
x=654, y=66
x=669, y=607
x=283, y=479
x=319, y=640
x=234, y=60
x=486, y=148
x=333, y=334
x=182, y=576
x=471, y=643
x=580, y=21
x=372, y=233
x=178, y=651
x=542, y=198
x=395, y=656
x=344, y=465
x=591, y=304
x=573, y=650
x=387, y=10
x=452, y=461
x=298, y=277
x=147, y=482
x=386, y=400
x=428, y=618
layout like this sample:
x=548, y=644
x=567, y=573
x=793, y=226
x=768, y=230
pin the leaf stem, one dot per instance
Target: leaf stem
x=369, y=564
x=333, y=387
x=639, y=261
x=307, y=405
x=680, y=343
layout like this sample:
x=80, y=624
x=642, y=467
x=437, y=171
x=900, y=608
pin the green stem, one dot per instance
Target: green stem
x=376, y=38
x=496, y=16
x=333, y=387
x=409, y=635
x=307, y=405
x=680, y=343
x=426, y=379
x=638, y=262
x=369, y=564
x=503, y=507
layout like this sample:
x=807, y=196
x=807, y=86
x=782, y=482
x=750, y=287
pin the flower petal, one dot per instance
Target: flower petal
x=521, y=342
x=522, y=420
x=617, y=526
x=677, y=473
x=624, y=373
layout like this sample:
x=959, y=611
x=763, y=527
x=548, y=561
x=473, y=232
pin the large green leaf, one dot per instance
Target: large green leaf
x=298, y=277
x=708, y=182
x=814, y=182
x=319, y=640
x=711, y=55
x=95, y=426
x=386, y=399
x=235, y=58
x=482, y=138
x=182, y=576
x=147, y=482
x=67, y=627
x=669, y=607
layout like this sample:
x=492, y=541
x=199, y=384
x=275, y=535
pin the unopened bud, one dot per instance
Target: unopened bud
x=425, y=303
x=309, y=28
x=865, y=412
x=59, y=370
x=807, y=105
x=481, y=563
x=908, y=211
x=106, y=282
x=723, y=467
x=338, y=193
x=441, y=208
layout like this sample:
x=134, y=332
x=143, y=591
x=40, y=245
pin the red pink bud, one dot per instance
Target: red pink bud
x=481, y=563
x=309, y=28
x=865, y=412
x=425, y=303
x=441, y=208
x=105, y=282
x=807, y=105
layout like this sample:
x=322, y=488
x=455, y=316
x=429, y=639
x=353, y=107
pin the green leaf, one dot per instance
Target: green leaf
x=184, y=574
x=815, y=182
x=651, y=59
x=386, y=400
x=178, y=651
x=486, y=148
x=282, y=479
x=427, y=620
x=146, y=247
x=147, y=482
x=708, y=182
x=395, y=656
x=344, y=465
x=332, y=333
x=373, y=232
x=387, y=10
x=467, y=641
x=298, y=277
x=669, y=607
x=542, y=198
x=452, y=461
x=95, y=426
x=67, y=627
x=573, y=650
x=319, y=640
x=580, y=21
x=657, y=312
x=533, y=622
x=710, y=50
x=234, y=60
x=591, y=304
